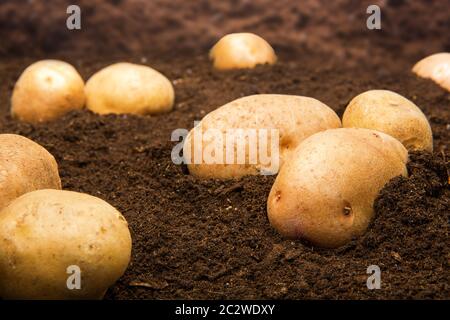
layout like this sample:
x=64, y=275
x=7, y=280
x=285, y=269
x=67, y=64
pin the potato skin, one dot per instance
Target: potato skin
x=325, y=192
x=241, y=51
x=435, y=67
x=45, y=231
x=24, y=166
x=129, y=88
x=295, y=117
x=391, y=113
x=47, y=90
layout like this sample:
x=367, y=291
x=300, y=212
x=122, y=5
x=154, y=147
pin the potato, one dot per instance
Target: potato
x=435, y=67
x=46, y=233
x=287, y=120
x=47, y=90
x=129, y=88
x=241, y=51
x=24, y=166
x=391, y=113
x=325, y=192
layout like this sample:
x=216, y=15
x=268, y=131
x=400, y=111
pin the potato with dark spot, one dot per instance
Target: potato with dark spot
x=325, y=192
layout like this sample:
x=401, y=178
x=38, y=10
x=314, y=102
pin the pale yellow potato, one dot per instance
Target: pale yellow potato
x=435, y=67
x=293, y=118
x=24, y=166
x=325, y=192
x=47, y=90
x=45, y=232
x=241, y=51
x=391, y=113
x=129, y=88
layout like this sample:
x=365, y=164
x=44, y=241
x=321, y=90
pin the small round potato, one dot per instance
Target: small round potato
x=391, y=113
x=61, y=245
x=275, y=124
x=435, y=67
x=241, y=51
x=129, y=88
x=325, y=192
x=24, y=166
x=47, y=90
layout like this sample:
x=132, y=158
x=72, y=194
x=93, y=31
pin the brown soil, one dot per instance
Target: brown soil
x=211, y=239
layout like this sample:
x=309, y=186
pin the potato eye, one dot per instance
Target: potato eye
x=347, y=209
x=278, y=196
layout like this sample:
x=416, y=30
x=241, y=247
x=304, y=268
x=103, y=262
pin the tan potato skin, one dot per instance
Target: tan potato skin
x=241, y=51
x=24, y=166
x=295, y=117
x=391, y=113
x=325, y=192
x=44, y=232
x=435, y=67
x=129, y=88
x=47, y=90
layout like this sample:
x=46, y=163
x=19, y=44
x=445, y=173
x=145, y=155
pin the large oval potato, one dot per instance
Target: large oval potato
x=435, y=67
x=241, y=51
x=24, y=166
x=129, y=88
x=391, y=113
x=47, y=90
x=48, y=235
x=284, y=119
x=325, y=192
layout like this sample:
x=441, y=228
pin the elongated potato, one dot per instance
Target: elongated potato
x=254, y=134
x=391, y=113
x=241, y=51
x=435, y=67
x=24, y=166
x=61, y=245
x=325, y=192
x=47, y=90
x=129, y=88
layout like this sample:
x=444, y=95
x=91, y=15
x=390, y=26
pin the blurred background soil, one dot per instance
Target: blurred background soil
x=211, y=239
x=409, y=28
